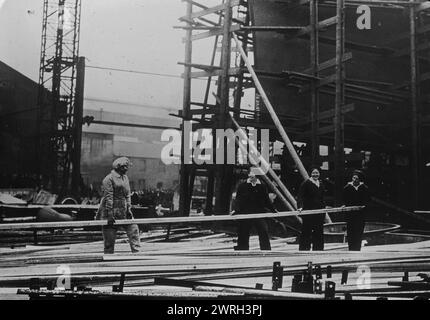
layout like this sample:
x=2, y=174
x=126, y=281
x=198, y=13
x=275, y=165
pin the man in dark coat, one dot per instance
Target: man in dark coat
x=356, y=193
x=310, y=197
x=252, y=197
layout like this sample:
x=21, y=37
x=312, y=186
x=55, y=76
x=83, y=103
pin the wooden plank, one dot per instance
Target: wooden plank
x=406, y=35
x=321, y=131
x=216, y=73
x=330, y=113
x=197, y=219
x=330, y=63
x=200, y=66
x=280, y=29
x=359, y=46
x=261, y=293
x=321, y=25
x=406, y=51
x=326, y=129
x=401, y=210
x=94, y=294
x=211, y=10
x=348, y=157
x=211, y=33
x=319, y=83
x=325, y=115
x=54, y=206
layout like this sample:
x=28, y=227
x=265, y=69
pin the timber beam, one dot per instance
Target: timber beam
x=173, y=220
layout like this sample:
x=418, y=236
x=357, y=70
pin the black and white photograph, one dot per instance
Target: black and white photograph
x=207, y=157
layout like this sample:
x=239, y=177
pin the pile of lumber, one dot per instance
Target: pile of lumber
x=197, y=263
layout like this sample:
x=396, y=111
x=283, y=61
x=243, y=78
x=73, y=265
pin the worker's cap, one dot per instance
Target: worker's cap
x=255, y=171
x=359, y=174
x=121, y=162
x=312, y=168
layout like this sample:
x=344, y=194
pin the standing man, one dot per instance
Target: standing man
x=311, y=197
x=116, y=205
x=356, y=193
x=252, y=197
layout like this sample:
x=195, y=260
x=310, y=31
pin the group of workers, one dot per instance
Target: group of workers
x=252, y=197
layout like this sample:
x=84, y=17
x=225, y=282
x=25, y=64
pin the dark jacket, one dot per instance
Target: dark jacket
x=311, y=197
x=253, y=199
x=356, y=197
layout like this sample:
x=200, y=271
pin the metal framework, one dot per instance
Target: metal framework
x=60, y=105
x=230, y=20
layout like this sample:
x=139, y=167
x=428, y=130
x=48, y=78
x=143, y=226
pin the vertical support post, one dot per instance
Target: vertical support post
x=210, y=192
x=339, y=101
x=415, y=111
x=192, y=177
x=211, y=172
x=313, y=11
x=239, y=84
x=184, y=208
x=78, y=114
x=224, y=173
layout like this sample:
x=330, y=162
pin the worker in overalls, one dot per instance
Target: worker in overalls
x=252, y=197
x=116, y=205
x=311, y=197
x=356, y=193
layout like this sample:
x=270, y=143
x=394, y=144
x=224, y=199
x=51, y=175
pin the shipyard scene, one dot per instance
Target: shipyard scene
x=214, y=150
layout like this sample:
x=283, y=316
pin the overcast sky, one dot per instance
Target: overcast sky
x=125, y=34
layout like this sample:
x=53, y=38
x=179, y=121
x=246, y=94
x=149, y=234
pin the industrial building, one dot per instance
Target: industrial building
x=107, y=136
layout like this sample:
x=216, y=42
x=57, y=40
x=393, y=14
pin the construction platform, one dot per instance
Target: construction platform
x=201, y=264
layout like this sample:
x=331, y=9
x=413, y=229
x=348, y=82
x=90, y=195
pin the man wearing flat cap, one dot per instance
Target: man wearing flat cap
x=356, y=193
x=116, y=205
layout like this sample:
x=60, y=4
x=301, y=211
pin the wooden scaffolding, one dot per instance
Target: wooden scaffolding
x=230, y=21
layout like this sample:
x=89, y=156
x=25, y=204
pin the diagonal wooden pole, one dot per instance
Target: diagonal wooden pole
x=266, y=165
x=272, y=112
x=272, y=185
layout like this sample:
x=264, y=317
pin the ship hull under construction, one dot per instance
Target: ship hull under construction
x=378, y=105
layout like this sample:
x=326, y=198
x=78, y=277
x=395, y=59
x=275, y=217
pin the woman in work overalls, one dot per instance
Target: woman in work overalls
x=116, y=205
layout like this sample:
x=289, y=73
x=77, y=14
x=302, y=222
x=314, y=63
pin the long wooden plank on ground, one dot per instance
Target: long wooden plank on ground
x=262, y=293
x=142, y=294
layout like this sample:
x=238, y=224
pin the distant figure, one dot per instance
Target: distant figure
x=116, y=205
x=252, y=197
x=310, y=197
x=134, y=199
x=356, y=193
